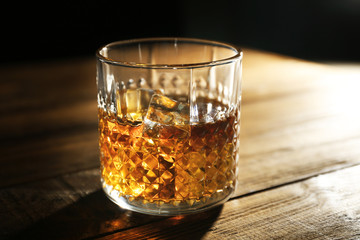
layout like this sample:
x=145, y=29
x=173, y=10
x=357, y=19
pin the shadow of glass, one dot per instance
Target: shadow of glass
x=96, y=216
x=90, y=216
x=193, y=226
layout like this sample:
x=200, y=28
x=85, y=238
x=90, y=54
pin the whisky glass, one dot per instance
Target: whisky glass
x=169, y=122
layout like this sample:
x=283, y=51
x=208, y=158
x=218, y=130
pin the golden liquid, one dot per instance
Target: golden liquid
x=168, y=166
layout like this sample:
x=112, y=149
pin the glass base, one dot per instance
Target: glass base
x=161, y=208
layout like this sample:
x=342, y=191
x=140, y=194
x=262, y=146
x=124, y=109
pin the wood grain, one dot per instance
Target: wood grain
x=71, y=206
x=48, y=120
x=324, y=207
x=300, y=132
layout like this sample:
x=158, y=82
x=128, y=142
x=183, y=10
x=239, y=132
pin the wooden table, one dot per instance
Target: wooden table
x=299, y=168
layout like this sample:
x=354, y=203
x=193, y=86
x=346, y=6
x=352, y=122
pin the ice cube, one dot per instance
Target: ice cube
x=166, y=113
x=132, y=104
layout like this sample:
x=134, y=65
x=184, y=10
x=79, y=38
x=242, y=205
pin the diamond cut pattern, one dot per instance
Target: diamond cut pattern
x=168, y=164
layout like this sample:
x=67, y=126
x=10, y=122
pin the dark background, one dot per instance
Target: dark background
x=310, y=29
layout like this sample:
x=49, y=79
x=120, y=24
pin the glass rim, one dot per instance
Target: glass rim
x=238, y=53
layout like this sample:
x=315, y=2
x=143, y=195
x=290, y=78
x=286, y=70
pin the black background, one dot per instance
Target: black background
x=309, y=29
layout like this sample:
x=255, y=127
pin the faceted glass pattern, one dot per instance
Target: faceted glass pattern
x=167, y=163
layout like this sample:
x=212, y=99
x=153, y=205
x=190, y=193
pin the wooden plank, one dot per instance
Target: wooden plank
x=45, y=98
x=26, y=204
x=296, y=123
x=298, y=119
x=48, y=120
x=71, y=206
x=48, y=157
x=324, y=207
x=288, y=145
x=44, y=86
